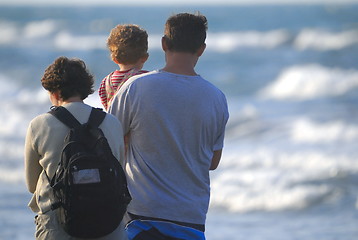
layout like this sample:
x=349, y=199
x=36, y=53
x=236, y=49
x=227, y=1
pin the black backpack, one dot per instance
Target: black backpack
x=89, y=186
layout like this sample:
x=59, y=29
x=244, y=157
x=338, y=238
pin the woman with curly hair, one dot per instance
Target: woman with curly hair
x=68, y=83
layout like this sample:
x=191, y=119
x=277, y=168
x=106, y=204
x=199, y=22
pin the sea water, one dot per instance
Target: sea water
x=289, y=168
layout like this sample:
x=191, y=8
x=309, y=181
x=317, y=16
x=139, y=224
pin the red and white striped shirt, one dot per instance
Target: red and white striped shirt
x=113, y=82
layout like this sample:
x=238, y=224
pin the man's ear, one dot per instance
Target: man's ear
x=144, y=58
x=201, y=50
x=164, y=44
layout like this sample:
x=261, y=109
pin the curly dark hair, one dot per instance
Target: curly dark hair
x=127, y=43
x=69, y=77
x=185, y=32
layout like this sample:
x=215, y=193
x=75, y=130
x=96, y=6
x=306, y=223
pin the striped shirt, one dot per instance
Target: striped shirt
x=113, y=82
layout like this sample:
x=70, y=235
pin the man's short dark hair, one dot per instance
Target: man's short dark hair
x=185, y=32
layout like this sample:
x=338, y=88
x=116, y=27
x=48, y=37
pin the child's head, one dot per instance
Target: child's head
x=185, y=32
x=127, y=44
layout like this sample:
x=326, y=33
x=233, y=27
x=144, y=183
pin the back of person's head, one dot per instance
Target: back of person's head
x=128, y=43
x=68, y=77
x=185, y=32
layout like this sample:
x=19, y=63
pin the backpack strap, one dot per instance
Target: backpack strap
x=62, y=114
x=96, y=117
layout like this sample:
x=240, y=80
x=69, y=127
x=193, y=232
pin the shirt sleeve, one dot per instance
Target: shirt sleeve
x=102, y=93
x=32, y=165
x=219, y=143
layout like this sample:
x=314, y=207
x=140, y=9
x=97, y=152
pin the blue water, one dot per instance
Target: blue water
x=289, y=168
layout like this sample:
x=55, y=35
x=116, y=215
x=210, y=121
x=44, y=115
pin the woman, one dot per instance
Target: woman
x=68, y=83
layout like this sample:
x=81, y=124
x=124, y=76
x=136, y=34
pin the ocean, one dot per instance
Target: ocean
x=289, y=168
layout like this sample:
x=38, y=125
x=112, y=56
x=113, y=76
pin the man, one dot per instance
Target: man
x=175, y=122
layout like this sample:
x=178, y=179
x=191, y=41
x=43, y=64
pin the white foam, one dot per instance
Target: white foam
x=322, y=40
x=311, y=81
x=262, y=178
x=19, y=106
x=66, y=41
x=39, y=29
x=22, y=107
x=8, y=32
x=12, y=149
x=12, y=175
x=307, y=131
x=228, y=41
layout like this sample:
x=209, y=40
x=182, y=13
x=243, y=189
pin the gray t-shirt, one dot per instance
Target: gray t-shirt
x=175, y=122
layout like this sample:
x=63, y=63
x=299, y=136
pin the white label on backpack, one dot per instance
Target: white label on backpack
x=86, y=176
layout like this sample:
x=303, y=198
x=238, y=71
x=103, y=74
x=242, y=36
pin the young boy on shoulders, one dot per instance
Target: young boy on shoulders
x=128, y=46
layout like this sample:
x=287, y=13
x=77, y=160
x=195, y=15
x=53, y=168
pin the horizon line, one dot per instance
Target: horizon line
x=177, y=3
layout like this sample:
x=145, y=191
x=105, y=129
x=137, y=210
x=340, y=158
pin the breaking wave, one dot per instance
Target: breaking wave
x=304, y=82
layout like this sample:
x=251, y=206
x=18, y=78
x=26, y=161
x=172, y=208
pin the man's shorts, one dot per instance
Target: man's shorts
x=161, y=230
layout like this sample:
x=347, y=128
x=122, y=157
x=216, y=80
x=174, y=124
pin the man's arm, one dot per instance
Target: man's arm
x=216, y=159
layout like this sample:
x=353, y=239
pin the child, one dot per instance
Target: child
x=128, y=45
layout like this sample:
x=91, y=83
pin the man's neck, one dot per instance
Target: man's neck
x=180, y=63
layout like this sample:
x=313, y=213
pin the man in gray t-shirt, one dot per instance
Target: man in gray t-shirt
x=175, y=122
